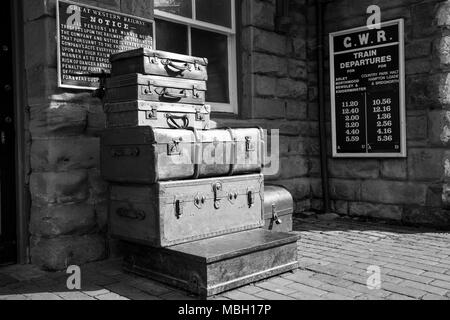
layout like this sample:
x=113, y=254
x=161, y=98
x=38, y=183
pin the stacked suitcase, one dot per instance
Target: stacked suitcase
x=189, y=201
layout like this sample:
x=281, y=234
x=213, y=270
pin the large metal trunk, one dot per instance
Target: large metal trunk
x=156, y=115
x=160, y=63
x=147, y=155
x=133, y=87
x=211, y=266
x=278, y=209
x=170, y=213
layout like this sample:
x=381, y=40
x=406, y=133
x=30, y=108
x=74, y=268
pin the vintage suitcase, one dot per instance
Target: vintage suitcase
x=147, y=155
x=211, y=266
x=154, y=88
x=169, y=213
x=157, y=115
x=162, y=63
x=278, y=209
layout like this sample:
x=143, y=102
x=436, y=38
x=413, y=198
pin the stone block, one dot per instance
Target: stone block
x=416, y=125
x=48, y=188
x=393, y=192
x=265, y=86
x=42, y=83
x=435, y=195
x=269, y=108
x=344, y=189
x=289, y=88
x=425, y=164
x=422, y=92
x=443, y=14
x=98, y=188
x=101, y=215
x=373, y=210
x=96, y=120
x=296, y=110
x=64, y=154
x=339, y=206
x=423, y=15
x=259, y=14
x=40, y=44
x=140, y=8
x=269, y=42
x=53, y=221
x=297, y=69
x=61, y=252
x=418, y=49
x=315, y=167
x=417, y=66
x=439, y=127
x=58, y=120
x=269, y=65
x=441, y=51
x=394, y=169
x=347, y=168
x=304, y=146
x=423, y=216
x=294, y=167
x=34, y=9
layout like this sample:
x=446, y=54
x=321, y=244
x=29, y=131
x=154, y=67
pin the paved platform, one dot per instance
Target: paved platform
x=339, y=260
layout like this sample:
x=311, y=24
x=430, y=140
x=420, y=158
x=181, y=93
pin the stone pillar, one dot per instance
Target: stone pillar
x=69, y=199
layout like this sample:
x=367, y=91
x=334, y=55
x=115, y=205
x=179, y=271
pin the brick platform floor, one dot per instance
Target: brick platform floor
x=334, y=258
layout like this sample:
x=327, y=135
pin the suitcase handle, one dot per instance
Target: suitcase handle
x=164, y=93
x=171, y=121
x=179, y=67
x=131, y=214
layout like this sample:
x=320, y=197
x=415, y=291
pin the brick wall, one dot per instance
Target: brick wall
x=409, y=190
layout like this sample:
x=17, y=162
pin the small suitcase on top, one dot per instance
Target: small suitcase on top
x=157, y=115
x=160, y=63
x=154, y=88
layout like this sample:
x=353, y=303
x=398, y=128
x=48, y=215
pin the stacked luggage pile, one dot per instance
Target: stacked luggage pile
x=188, y=200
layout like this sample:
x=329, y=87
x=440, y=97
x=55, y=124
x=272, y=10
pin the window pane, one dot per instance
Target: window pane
x=213, y=46
x=172, y=37
x=179, y=7
x=216, y=12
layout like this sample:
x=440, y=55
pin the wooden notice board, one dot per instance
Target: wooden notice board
x=87, y=36
x=368, y=91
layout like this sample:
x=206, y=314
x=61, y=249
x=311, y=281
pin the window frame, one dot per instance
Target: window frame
x=232, y=106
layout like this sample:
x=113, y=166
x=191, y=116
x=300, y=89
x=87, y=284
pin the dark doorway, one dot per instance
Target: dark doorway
x=7, y=141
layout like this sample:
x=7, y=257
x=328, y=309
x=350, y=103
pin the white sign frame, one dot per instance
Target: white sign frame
x=58, y=37
x=402, y=104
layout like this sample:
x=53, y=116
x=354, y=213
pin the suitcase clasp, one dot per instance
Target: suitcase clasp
x=151, y=114
x=218, y=194
x=275, y=214
x=179, y=208
x=249, y=144
x=149, y=89
x=173, y=148
x=199, y=116
x=250, y=198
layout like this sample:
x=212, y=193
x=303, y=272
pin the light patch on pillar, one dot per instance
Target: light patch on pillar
x=445, y=134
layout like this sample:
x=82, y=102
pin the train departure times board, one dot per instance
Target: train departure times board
x=368, y=91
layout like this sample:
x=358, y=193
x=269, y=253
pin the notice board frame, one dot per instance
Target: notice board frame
x=58, y=37
x=402, y=98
